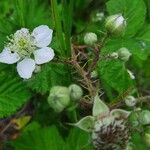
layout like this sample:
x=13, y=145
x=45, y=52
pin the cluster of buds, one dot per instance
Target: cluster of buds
x=122, y=54
x=60, y=97
x=108, y=128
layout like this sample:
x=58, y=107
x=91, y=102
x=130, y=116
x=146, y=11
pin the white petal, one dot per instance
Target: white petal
x=25, y=68
x=42, y=35
x=6, y=56
x=43, y=55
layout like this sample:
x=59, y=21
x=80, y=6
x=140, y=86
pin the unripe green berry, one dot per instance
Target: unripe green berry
x=90, y=38
x=115, y=24
x=75, y=92
x=124, y=54
x=144, y=117
x=130, y=101
x=59, y=98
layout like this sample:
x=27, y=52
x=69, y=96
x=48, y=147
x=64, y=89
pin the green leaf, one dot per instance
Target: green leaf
x=51, y=74
x=34, y=137
x=99, y=107
x=86, y=123
x=47, y=138
x=13, y=92
x=115, y=75
x=133, y=10
x=26, y=10
x=78, y=140
x=138, y=142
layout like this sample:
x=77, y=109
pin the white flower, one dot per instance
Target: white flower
x=28, y=49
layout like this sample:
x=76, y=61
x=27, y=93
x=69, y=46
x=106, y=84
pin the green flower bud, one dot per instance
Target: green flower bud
x=130, y=101
x=75, y=92
x=124, y=54
x=59, y=98
x=113, y=55
x=144, y=117
x=90, y=38
x=94, y=74
x=115, y=24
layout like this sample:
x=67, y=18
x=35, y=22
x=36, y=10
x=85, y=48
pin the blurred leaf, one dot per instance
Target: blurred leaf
x=133, y=10
x=33, y=13
x=138, y=141
x=46, y=138
x=78, y=140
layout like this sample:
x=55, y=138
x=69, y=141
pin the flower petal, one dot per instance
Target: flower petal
x=25, y=68
x=42, y=35
x=43, y=55
x=6, y=56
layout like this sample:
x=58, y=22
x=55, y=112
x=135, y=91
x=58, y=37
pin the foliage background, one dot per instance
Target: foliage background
x=71, y=19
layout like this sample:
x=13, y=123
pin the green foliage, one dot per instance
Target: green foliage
x=51, y=74
x=70, y=21
x=134, y=11
x=31, y=13
x=138, y=142
x=114, y=72
x=78, y=140
x=13, y=92
x=48, y=138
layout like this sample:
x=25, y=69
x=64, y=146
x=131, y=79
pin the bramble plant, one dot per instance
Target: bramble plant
x=74, y=75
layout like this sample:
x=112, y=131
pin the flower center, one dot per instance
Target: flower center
x=22, y=43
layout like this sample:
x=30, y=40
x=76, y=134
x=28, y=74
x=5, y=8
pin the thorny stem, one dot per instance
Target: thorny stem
x=86, y=81
x=97, y=53
x=82, y=72
x=86, y=74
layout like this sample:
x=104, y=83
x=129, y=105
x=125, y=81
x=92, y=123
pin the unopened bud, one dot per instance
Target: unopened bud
x=90, y=38
x=144, y=117
x=113, y=55
x=59, y=98
x=124, y=54
x=130, y=101
x=94, y=74
x=75, y=92
x=115, y=24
